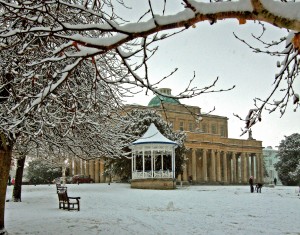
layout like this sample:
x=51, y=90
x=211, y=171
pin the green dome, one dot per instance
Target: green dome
x=156, y=101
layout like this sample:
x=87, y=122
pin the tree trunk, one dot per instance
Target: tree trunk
x=18, y=179
x=5, y=161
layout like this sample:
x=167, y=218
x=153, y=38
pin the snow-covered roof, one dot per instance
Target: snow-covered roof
x=153, y=136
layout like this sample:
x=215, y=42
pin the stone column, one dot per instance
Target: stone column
x=71, y=166
x=185, y=176
x=194, y=165
x=75, y=166
x=97, y=172
x=234, y=163
x=218, y=166
x=204, y=165
x=225, y=179
x=238, y=168
x=247, y=176
x=244, y=168
x=252, y=165
x=92, y=169
x=83, y=169
x=86, y=168
x=229, y=167
x=102, y=177
x=213, y=166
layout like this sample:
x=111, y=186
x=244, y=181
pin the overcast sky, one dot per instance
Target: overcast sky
x=212, y=51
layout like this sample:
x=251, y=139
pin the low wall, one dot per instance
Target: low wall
x=154, y=183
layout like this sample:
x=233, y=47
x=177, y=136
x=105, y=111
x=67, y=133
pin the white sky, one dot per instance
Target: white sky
x=212, y=51
x=118, y=209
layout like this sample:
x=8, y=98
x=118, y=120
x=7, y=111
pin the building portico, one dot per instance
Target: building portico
x=221, y=163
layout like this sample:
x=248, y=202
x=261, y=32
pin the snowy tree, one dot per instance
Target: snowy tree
x=137, y=121
x=47, y=47
x=288, y=166
x=41, y=173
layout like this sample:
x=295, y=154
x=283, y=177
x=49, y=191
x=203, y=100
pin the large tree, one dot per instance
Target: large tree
x=288, y=166
x=47, y=47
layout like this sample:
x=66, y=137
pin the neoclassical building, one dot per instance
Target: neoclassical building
x=212, y=157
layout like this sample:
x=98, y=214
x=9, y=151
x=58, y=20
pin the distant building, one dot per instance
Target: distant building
x=270, y=158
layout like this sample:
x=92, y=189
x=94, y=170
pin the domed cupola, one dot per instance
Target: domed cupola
x=156, y=101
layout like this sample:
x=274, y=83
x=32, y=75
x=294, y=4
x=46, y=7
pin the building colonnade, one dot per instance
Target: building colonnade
x=93, y=168
x=202, y=165
x=219, y=166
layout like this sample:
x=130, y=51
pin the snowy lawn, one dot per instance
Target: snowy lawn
x=118, y=209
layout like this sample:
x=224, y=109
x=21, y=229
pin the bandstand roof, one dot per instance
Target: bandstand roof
x=153, y=136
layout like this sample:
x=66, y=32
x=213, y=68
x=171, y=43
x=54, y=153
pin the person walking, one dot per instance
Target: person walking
x=275, y=181
x=251, y=184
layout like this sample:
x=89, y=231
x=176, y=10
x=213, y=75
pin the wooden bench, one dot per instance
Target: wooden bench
x=66, y=202
x=60, y=188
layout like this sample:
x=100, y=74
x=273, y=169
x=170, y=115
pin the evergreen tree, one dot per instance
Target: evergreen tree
x=41, y=173
x=137, y=122
x=288, y=166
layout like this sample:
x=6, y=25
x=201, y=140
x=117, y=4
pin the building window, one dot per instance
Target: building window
x=222, y=131
x=213, y=129
x=181, y=127
x=191, y=126
x=204, y=128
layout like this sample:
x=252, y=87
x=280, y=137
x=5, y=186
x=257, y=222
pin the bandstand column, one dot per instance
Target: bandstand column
x=143, y=164
x=194, y=165
x=152, y=163
x=218, y=166
x=204, y=165
x=213, y=166
x=225, y=179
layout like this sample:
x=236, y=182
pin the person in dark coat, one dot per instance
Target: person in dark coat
x=258, y=187
x=251, y=184
x=275, y=181
x=9, y=180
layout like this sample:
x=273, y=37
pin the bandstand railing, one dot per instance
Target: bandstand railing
x=148, y=174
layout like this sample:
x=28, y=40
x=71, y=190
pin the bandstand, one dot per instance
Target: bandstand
x=153, y=161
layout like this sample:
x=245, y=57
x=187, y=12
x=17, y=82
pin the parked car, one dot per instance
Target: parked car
x=59, y=180
x=78, y=179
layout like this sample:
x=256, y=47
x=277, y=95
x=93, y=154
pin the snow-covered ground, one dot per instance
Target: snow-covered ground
x=118, y=209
